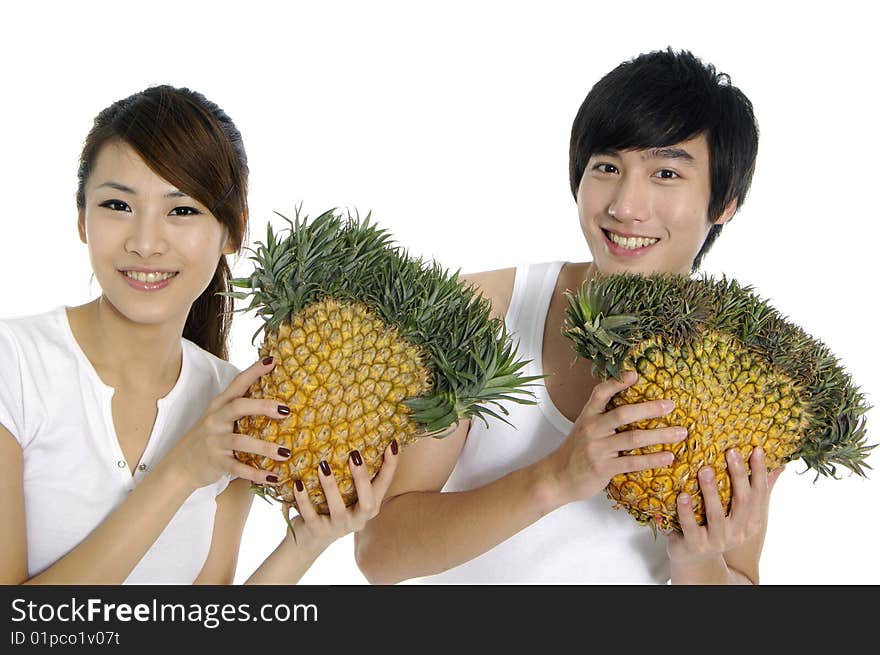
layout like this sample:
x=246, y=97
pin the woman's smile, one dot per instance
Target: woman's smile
x=148, y=280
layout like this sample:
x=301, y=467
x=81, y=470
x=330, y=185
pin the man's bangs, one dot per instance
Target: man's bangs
x=643, y=127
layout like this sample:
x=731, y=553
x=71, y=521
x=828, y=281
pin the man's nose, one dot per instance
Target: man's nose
x=631, y=201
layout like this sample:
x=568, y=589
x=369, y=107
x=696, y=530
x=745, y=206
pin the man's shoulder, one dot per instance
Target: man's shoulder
x=495, y=285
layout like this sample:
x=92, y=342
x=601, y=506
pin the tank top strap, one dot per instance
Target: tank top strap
x=533, y=287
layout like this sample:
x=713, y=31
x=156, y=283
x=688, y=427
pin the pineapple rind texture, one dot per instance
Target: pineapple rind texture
x=370, y=345
x=741, y=375
x=726, y=398
x=344, y=375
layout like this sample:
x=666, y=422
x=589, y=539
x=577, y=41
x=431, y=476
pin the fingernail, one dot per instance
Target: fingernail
x=356, y=458
x=271, y=478
x=668, y=405
x=681, y=433
x=706, y=473
x=284, y=452
x=684, y=499
x=267, y=361
x=299, y=485
x=394, y=446
x=284, y=410
x=669, y=458
x=325, y=467
x=759, y=451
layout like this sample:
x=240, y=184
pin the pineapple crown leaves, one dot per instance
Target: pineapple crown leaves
x=472, y=358
x=610, y=313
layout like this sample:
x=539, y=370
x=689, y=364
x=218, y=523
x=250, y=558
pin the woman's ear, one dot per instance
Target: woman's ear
x=229, y=247
x=81, y=226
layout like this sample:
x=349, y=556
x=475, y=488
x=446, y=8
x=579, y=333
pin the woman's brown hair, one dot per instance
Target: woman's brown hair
x=189, y=141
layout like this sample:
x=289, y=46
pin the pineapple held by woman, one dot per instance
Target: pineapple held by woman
x=741, y=376
x=370, y=345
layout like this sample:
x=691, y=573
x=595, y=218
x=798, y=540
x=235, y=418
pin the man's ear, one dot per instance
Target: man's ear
x=727, y=214
x=81, y=226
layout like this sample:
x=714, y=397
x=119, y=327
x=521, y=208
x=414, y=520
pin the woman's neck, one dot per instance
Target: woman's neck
x=124, y=353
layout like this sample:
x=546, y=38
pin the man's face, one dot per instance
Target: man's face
x=646, y=211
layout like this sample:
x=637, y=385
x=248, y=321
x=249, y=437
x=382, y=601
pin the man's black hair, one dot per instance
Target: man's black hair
x=661, y=98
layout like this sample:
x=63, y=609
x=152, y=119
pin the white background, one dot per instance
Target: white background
x=451, y=123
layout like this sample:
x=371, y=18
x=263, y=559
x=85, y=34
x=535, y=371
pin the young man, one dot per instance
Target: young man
x=662, y=154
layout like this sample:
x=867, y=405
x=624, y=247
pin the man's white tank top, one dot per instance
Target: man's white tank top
x=584, y=542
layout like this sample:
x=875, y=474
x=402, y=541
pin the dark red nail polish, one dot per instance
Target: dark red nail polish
x=271, y=478
x=284, y=410
x=356, y=458
x=267, y=361
x=325, y=467
x=394, y=446
x=299, y=485
x=284, y=452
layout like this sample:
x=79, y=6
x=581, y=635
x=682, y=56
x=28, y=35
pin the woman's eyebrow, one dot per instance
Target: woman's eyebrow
x=118, y=187
x=127, y=189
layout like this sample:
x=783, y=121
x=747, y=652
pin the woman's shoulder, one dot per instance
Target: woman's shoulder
x=33, y=329
x=205, y=364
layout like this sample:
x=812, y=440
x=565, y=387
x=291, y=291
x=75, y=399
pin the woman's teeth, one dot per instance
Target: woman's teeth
x=148, y=277
x=631, y=243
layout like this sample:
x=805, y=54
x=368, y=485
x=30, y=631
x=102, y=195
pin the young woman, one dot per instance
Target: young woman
x=662, y=155
x=117, y=417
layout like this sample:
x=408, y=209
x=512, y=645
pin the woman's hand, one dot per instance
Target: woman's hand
x=590, y=456
x=746, y=521
x=206, y=452
x=317, y=531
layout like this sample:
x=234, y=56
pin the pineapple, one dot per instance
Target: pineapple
x=370, y=345
x=740, y=373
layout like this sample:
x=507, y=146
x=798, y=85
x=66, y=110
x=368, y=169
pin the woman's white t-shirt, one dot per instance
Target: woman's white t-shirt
x=58, y=409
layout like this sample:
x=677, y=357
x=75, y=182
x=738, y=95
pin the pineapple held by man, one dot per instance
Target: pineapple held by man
x=741, y=376
x=370, y=345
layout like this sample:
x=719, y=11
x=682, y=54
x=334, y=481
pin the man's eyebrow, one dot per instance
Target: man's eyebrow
x=606, y=152
x=127, y=189
x=671, y=153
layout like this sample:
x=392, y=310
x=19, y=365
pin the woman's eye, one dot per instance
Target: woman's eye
x=185, y=211
x=667, y=174
x=116, y=205
x=606, y=168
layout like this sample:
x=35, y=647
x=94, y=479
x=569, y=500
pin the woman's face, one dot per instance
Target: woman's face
x=646, y=211
x=153, y=248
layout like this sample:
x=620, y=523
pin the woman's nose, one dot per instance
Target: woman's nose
x=147, y=236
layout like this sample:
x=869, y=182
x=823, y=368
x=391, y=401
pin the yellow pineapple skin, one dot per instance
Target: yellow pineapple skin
x=344, y=374
x=726, y=397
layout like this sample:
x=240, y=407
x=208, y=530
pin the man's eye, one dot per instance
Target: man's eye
x=606, y=168
x=667, y=174
x=116, y=205
x=185, y=211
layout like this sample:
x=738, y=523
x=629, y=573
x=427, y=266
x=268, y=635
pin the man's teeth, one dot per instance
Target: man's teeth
x=148, y=277
x=631, y=242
